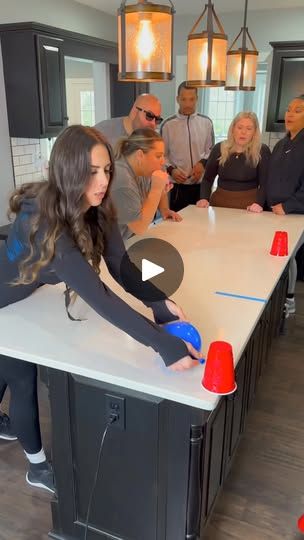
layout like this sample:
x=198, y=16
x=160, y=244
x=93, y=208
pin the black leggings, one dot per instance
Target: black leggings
x=181, y=195
x=3, y=387
x=21, y=378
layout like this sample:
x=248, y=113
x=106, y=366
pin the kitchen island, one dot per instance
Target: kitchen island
x=161, y=473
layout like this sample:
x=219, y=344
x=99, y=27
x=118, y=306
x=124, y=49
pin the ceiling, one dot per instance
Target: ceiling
x=184, y=7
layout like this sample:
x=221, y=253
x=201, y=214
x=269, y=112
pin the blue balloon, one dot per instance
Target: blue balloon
x=186, y=331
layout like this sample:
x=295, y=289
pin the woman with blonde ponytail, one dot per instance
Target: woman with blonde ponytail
x=62, y=229
x=241, y=163
x=140, y=185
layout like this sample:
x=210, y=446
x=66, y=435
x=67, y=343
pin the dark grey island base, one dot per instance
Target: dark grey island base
x=160, y=476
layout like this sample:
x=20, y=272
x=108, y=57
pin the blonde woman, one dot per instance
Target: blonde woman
x=241, y=163
x=140, y=185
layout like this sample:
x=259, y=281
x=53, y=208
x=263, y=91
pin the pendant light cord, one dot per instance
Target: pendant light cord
x=245, y=14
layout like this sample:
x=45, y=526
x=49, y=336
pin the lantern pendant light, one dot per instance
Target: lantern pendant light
x=145, y=42
x=242, y=62
x=207, y=50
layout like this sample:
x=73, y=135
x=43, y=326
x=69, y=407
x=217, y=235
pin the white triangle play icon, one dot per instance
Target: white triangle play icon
x=150, y=269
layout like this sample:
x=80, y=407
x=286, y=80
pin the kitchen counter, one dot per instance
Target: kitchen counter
x=224, y=251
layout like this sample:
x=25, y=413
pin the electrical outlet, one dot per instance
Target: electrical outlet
x=116, y=405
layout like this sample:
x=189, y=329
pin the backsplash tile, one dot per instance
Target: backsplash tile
x=30, y=159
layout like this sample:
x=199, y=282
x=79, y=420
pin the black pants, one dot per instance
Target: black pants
x=3, y=387
x=21, y=378
x=182, y=195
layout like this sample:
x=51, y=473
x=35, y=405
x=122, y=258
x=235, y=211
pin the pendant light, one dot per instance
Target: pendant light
x=207, y=52
x=242, y=62
x=145, y=42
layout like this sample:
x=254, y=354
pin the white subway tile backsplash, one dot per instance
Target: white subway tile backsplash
x=19, y=150
x=27, y=178
x=24, y=160
x=27, y=160
x=30, y=149
x=24, y=169
x=22, y=141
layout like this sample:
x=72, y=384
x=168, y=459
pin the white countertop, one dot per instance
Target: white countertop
x=223, y=250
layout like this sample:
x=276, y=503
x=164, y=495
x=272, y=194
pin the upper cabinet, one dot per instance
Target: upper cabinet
x=287, y=80
x=34, y=74
x=34, y=78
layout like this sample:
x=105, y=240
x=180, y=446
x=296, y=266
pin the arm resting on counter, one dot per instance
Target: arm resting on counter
x=71, y=267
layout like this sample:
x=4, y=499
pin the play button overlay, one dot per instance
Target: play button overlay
x=152, y=270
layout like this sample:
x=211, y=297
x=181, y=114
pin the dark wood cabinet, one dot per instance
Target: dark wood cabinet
x=287, y=81
x=51, y=84
x=34, y=78
x=215, y=454
x=123, y=94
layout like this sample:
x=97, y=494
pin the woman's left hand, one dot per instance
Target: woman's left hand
x=170, y=214
x=176, y=310
x=255, y=207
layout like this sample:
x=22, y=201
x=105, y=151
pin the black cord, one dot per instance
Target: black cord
x=111, y=421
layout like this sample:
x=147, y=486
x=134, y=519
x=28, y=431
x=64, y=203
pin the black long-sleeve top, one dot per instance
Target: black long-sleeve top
x=70, y=266
x=236, y=174
x=285, y=183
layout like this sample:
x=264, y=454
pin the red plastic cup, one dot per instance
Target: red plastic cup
x=301, y=523
x=279, y=246
x=219, y=370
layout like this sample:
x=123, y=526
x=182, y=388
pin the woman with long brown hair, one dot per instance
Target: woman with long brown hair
x=241, y=163
x=62, y=229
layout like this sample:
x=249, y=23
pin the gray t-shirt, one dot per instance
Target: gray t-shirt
x=112, y=129
x=128, y=193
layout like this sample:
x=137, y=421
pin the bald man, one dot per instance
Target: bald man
x=145, y=113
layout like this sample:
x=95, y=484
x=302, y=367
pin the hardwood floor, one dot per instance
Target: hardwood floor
x=264, y=493
x=25, y=512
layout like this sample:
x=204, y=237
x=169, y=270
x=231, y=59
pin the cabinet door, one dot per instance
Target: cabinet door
x=51, y=84
x=237, y=403
x=214, y=457
x=123, y=94
x=253, y=365
x=287, y=80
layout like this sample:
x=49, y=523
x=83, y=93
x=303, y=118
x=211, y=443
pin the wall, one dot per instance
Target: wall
x=6, y=178
x=65, y=14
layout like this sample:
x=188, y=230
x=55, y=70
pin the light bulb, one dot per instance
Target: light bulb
x=145, y=42
x=203, y=59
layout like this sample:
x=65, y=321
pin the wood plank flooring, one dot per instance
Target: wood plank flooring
x=264, y=493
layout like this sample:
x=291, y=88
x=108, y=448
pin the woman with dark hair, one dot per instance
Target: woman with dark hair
x=285, y=185
x=62, y=229
x=140, y=185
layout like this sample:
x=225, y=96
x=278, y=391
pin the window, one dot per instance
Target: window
x=222, y=105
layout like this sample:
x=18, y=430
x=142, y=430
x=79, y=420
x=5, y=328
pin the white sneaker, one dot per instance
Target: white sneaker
x=290, y=305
